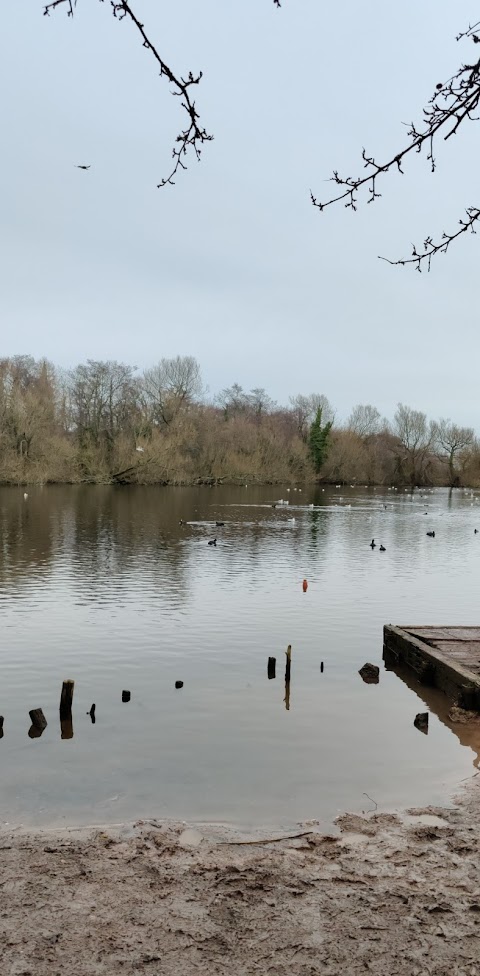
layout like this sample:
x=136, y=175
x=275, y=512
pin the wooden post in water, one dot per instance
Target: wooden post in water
x=38, y=719
x=66, y=699
x=1, y=726
x=39, y=723
x=288, y=655
x=92, y=714
x=272, y=662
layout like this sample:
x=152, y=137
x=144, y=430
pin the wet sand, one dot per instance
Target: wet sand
x=385, y=894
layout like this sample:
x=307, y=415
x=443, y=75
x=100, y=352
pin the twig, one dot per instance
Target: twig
x=430, y=248
x=371, y=801
x=452, y=103
x=269, y=840
x=194, y=135
x=56, y=3
x=470, y=777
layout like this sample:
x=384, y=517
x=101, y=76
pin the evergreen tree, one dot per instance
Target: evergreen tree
x=318, y=440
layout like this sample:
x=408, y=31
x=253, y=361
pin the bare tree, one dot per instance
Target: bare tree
x=414, y=439
x=453, y=102
x=365, y=420
x=170, y=386
x=450, y=441
x=259, y=402
x=233, y=400
x=102, y=399
x=26, y=401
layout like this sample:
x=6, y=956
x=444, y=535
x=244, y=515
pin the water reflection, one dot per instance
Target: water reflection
x=438, y=704
x=118, y=588
x=66, y=728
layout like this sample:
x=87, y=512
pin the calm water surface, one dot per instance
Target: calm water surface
x=103, y=585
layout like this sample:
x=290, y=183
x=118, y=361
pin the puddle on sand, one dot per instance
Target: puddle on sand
x=428, y=819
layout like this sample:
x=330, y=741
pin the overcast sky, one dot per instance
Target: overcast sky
x=232, y=264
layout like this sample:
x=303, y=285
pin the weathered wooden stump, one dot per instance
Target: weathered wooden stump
x=38, y=719
x=288, y=662
x=66, y=699
x=288, y=655
x=272, y=663
x=39, y=723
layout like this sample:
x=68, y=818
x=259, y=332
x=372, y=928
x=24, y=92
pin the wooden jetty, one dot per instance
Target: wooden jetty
x=447, y=658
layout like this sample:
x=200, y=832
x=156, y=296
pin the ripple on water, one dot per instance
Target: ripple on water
x=106, y=587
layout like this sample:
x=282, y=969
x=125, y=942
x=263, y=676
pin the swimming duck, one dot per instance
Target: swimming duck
x=212, y=542
x=382, y=549
x=220, y=523
x=372, y=544
x=431, y=534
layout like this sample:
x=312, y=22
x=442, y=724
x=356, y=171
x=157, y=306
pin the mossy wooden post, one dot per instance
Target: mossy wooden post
x=66, y=699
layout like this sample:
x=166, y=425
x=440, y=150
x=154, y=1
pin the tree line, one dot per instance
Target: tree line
x=103, y=422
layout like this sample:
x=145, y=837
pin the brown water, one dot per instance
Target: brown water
x=103, y=585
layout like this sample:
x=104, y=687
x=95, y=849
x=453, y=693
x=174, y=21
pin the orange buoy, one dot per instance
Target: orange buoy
x=305, y=586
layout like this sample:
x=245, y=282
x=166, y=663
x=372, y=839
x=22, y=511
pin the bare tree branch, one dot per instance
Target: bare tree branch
x=429, y=246
x=194, y=135
x=57, y=3
x=452, y=103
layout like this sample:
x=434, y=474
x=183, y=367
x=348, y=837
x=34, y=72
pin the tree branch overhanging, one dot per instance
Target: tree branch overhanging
x=453, y=102
x=194, y=135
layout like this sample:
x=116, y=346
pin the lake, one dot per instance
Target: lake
x=105, y=586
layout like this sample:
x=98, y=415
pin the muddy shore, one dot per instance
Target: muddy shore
x=385, y=894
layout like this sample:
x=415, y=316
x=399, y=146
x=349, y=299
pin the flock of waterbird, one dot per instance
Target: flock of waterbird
x=283, y=502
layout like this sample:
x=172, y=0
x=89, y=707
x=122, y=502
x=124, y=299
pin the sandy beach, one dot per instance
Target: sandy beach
x=384, y=894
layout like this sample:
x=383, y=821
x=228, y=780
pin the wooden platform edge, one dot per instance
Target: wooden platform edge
x=431, y=668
